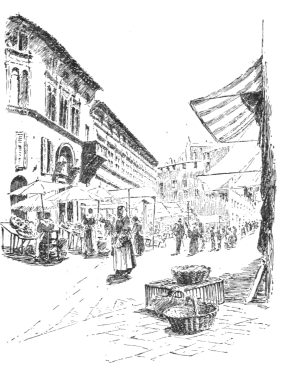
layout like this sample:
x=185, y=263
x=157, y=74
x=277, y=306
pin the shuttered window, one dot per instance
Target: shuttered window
x=21, y=151
x=47, y=157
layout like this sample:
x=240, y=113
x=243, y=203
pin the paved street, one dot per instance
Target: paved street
x=72, y=301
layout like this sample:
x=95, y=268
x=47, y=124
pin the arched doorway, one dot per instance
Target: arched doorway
x=65, y=156
x=17, y=183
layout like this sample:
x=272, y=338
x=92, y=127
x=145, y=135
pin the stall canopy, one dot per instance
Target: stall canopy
x=141, y=192
x=205, y=219
x=243, y=160
x=34, y=203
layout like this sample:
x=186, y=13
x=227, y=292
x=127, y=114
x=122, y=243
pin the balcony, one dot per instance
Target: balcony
x=94, y=154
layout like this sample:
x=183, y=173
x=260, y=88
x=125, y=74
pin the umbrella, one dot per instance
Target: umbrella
x=39, y=187
x=103, y=194
x=73, y=193
x=34, y=203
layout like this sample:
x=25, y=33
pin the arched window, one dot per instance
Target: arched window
x=65, y=113
x=51, y=103
x=48, y=101
x=15, y=87
x=53, y=106
x=24, y=89
x=16, y=184
x=23, y=42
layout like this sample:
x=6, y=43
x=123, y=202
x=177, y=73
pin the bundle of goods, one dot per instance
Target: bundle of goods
x=162, y=302
x=27, y=231
x=23, y=227
x=79, y=229
x=16, y=222
x=190, y=274
x=67, y=225
x=191, y=319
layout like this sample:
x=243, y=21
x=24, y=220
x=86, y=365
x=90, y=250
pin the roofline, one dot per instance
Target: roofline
x=106, y=109
x=59, y=49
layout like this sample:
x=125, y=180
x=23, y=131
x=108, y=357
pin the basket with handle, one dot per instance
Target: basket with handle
x=162, y=302
x=193, y=319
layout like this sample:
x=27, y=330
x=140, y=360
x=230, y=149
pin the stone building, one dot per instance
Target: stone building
x=54, y=128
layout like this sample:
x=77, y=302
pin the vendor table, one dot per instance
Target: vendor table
x=16, y=240
x=210, y=291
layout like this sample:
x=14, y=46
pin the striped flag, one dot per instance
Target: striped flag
x=227, y=113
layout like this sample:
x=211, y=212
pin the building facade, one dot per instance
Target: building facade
x=178, y=182
x=55, y=130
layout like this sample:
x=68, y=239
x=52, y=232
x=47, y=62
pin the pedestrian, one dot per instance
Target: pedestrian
x=235, y=235
x=138, y=239
x=45, y=226
x=179, y=232
x=90, y=243
x=123, y=255
x=194, y=245
x=219, y=238
x=212, y=234
x=226, y=238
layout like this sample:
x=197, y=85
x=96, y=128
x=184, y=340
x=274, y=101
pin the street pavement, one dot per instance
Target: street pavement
x=70, y=311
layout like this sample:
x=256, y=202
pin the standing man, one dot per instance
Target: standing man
x=194, y=245
x=219, y=239
x=89, y=239
x=179, y=232
x=212, y=239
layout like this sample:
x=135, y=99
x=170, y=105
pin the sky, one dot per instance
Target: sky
x=152, y=57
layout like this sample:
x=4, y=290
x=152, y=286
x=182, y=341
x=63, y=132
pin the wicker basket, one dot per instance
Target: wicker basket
x=185, y=321
x=162, y=302
x=190, y=274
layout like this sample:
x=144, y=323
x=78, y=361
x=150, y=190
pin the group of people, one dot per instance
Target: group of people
x=201, y=238
x=120, y=235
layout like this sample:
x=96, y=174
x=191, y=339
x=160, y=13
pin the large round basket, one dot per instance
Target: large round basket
x=190, y=274
x=184, y=323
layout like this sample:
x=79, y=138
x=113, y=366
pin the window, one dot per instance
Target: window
x=87, y=132
x=184, y=182
x=75, y=121
x=15, y=87
x=47, y=156
x=63, y=118
x=195, y=164
x=51, y=103
x=17, y=40
x=23, y=42
x=173, y=184
x=23, y=99
x=21, y=151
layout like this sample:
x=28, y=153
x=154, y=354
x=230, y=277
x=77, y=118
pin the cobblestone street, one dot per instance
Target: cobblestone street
x=112, y=321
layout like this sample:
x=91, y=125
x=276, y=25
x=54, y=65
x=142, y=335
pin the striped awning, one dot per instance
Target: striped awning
x=230, y=111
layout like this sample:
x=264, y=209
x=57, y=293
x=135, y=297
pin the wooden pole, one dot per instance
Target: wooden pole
x=42, y=205
x=154, y=214
x=129, y=203
x=188, y=210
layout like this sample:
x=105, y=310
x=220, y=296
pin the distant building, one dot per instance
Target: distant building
x=178, y=180
x=55, y=130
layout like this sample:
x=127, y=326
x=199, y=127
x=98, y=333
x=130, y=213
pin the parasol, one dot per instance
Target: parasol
x=39, y=187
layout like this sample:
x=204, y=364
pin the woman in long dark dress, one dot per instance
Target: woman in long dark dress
x=89, y=222
x=194, y=245
x=138, y=238
x=123, y=255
